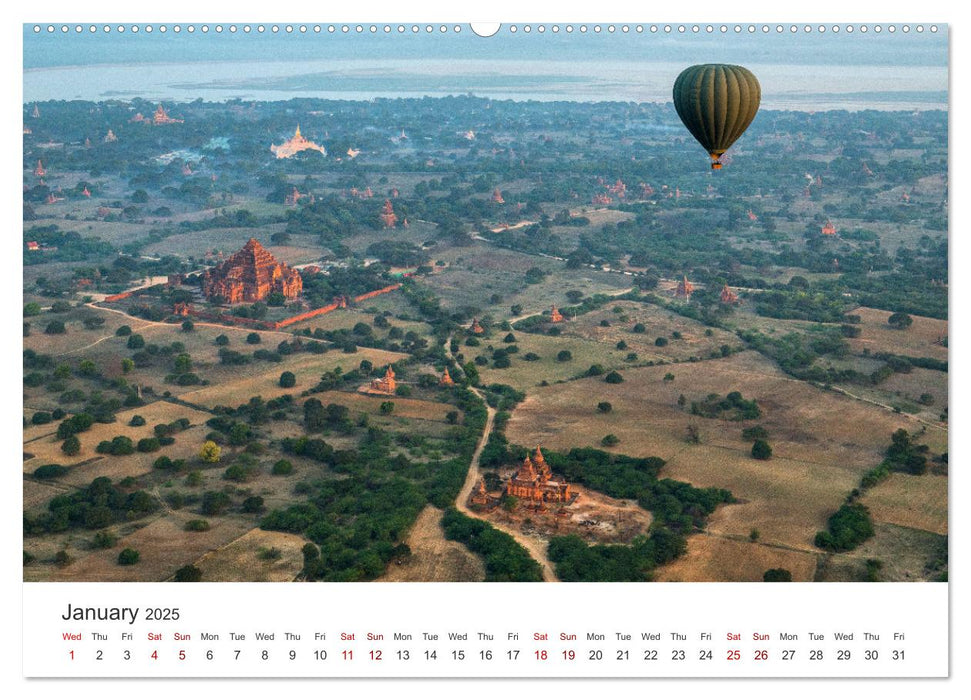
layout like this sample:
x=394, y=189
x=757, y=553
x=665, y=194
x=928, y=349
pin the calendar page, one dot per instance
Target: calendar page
x=556, y=350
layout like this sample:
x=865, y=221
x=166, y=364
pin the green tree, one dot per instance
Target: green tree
x=128, y=556
x=614, y=377
x=900, y=321
x=136, y=341
x=605, y=407
x=777, y=576
x=222, y=340
x=288, y=380
x=71, y=446
x=610, y=440
x=253, y=339
x=55, y=328
x=188, y=574
x=188, y=326
x=761, y=450
x=127, y=365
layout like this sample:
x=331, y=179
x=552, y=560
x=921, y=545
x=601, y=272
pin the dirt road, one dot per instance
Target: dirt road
x=535, y=546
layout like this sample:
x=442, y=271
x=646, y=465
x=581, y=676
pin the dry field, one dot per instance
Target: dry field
x=434, y=558
x=523, y=374
x=918, y=502
x=236, y=386
x=47, y=450
x=228, y=241
x=712, y=558
x=658, y=322
x=822, y=442
x=38, y=493
x=903, y=552
x=244, y=559
x=163, y=544
x=920, y=340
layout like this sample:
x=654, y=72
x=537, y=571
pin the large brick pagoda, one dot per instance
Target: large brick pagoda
x=251, y=275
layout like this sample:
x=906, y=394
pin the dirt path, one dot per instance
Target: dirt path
x=535, y=546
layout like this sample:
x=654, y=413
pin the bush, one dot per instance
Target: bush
x=71, y=446
x=847, y=528
x=777, y=576
x=188, y=574
x=214, y=503
x=123, y=331
x=761, y=450
x=661, y=342
x=136, y=421
x=610, y=440
x=135, y=342
x=50, y=471
x=128, y=556
x=614, y=378
x=222, y=340
x=104, y=539
x=253, y=339
x=253, y=504
x=41, y=418
x=55, y=328
x=150, y=444
x=288, y=380
x=197, y=525
x=605, y=407
x=900, y=321
x=188, y=326
x=564, y=356
x=756, y=432
x=282, y=467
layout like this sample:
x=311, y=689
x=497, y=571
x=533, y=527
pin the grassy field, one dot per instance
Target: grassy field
x=434, y=558
x=822, y=442
x=249, y=558
x=920, y=340
x=903, y=553
x=713, y=558
x=163, y=544
x=918, y=502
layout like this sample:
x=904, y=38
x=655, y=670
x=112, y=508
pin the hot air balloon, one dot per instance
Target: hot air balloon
x=716, y=102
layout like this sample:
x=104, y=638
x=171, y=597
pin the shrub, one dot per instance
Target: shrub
x=661, y=342
x=188, y=326
x=55, y=328
x=777, y=576
x=136, y=421
x=41, y=417
x=253, y=339
x=564, y=356
x=222, y=340
x=71, y=446
x=614, y=378
x=288, y=380
x=104, y=539
x=128, y=556
x=756, y=432
x=253, y=504
x=197, y=525
x=761, y=450
x=610, y=440
x=188, y=574
x=123, y=331
x=50, y=471
x=135, y=342
x=282, y=467
x=150, y=444
x=214, y=503
x=605, y=407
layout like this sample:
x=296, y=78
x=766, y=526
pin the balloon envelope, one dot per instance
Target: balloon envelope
x=716, y=102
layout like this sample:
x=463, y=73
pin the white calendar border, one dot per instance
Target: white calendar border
x=507, y=10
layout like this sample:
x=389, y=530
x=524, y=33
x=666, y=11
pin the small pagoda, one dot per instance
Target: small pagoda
x=497, y=197
x=161, y=117
x=828, y=229
x=475, y=328
x=534, y=483
x=728, y=296
x=39, y=171
x=446, y=379
x=382, y=386
x=555, y=315
x=685, y=288
x=388, y=217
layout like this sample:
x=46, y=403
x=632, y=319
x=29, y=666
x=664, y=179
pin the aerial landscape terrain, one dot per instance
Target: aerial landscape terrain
x=472, y=339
